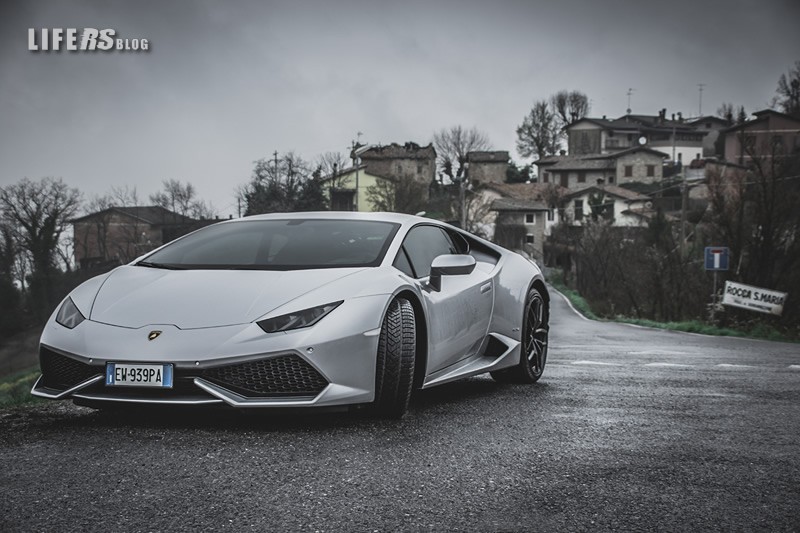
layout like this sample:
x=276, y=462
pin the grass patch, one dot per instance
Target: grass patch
x=759, y=331
x=16, y=389
x=689, y=326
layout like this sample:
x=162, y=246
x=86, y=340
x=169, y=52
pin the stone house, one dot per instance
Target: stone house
x=714, y=139
x=633, y=165
x=524, y=214
x=347, y=190
x=118, y=235
x=679, y=140
x=769, y=133
x=622, y=207
x=488, y=167
x=409, y=160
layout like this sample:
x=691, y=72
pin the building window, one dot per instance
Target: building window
x=651, y=171
x=578, y=209
x=565, y=179
x=611, y=180
x=581, y=177
x=530, y=218
x=528, y=239
x=628, y=171
x=545, y=177
x=419, y=169
x=343, y=200
x=550, y=215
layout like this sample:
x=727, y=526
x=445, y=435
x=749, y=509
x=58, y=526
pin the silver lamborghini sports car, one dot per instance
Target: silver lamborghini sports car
x=299, y=310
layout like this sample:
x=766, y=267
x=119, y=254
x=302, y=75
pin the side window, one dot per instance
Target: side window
x=401, y=263
x=423, y=244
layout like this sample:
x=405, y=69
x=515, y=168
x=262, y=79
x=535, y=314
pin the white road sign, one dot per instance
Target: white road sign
x=754, y=298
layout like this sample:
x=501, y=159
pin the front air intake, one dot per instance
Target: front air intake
x=282, y=376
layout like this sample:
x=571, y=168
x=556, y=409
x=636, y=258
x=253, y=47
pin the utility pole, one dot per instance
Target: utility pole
x=684, y=206
x=700, y=107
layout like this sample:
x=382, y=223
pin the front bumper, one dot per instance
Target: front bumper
x=329, y=364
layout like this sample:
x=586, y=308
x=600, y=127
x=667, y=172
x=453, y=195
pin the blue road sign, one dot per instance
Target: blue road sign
x=717, y=257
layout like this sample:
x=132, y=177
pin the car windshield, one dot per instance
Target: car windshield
x=291, y=244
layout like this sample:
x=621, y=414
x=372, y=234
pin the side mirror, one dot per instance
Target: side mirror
x=449, y=265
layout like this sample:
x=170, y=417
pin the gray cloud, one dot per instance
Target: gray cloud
x=227, y=83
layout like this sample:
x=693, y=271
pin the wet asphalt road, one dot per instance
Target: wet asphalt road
x=630, y=429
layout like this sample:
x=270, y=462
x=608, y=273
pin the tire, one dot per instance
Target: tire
x=533, y=348
x=394, y=371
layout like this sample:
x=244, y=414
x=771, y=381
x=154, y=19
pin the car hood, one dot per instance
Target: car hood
x=135, y=296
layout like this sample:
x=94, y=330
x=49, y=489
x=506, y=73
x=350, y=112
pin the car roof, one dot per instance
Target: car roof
x=398, y=218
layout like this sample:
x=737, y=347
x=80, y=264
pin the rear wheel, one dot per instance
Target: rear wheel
x=533, y=347
x=394, y=372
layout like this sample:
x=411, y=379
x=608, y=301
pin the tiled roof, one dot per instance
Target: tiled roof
x=408, y=150
x=612, y=190
x=488, y=157
x=154, y=215
x=535, y=192
x=591, y=161
x=511, y=204
x=583, y=163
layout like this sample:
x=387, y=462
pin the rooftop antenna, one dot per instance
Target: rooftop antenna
x=630, y=92
x=700, y=108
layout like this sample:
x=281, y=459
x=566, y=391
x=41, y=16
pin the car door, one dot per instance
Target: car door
x=458, y=314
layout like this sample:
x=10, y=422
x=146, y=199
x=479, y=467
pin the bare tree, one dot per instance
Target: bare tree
x=452, y=146
x=9, y=295
x=773, y=194
x=182, y=199
x=569, y=106
x=725, y=111
x=788, y=97
x=479, y=215
x=330, y=164
x=37, y=213
x=540, y=132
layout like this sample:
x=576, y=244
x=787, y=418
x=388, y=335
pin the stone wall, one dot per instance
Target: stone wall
x=638, y=161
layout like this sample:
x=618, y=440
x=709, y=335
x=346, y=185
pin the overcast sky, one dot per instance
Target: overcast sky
x=226, y=83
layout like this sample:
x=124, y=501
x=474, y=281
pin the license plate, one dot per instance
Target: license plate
x=138, y=375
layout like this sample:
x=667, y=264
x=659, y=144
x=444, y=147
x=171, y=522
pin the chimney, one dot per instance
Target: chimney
x=680, y=117
x=673, y=117
x=604, y=117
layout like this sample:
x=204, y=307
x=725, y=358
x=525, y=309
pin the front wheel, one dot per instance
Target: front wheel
x=533, y=348
x=394, y=369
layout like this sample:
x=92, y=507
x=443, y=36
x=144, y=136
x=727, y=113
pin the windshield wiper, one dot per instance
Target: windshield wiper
x=159, y=265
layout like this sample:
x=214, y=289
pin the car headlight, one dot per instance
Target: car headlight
x=300, y=319
x=69, y=316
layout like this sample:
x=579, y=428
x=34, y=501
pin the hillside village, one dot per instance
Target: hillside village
x=624, y=170
x=620, y=208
